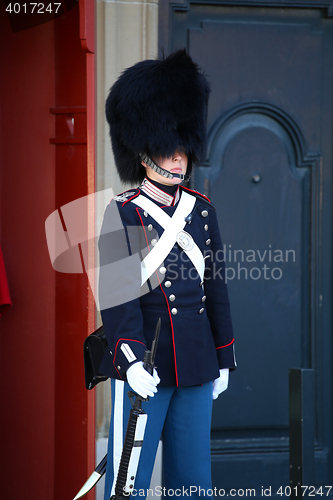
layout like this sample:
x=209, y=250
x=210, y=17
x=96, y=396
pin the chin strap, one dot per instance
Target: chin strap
x=161, y=171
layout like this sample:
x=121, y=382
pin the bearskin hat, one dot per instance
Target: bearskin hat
x=157, y=107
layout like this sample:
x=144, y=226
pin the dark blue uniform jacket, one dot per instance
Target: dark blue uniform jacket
x=196, y=337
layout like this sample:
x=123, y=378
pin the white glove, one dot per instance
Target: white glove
x=141, y=381
x=221, y=384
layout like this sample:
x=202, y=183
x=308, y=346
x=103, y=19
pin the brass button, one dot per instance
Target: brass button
x=145, y=214
x=162, y=270
x=153, y=242
x=172, y=297
x=201, y=310
x=150, y=227
x=203, y=298
x=206, y=227
x=167, y=284
x=208, y=241
x=202, y=282
x=119, y=367
x=204, y=213
x=174, y=311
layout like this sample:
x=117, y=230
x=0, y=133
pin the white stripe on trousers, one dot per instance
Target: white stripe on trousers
x=117, y=429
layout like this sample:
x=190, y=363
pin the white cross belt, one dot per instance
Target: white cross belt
x=172, y=226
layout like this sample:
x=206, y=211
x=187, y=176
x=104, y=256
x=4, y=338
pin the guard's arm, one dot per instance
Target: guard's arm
x=119, y=292
x=217, y=304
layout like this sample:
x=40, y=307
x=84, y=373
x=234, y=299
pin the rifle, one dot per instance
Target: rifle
x=133, y=438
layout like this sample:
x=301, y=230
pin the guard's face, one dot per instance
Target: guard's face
x=177, y=164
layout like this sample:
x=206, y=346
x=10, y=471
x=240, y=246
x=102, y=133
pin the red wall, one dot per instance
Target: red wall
x=46, y=417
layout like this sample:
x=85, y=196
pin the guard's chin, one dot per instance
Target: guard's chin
x=176, y=180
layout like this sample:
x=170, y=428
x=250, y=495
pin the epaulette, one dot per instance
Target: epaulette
x=197, y=194
x=127, y=195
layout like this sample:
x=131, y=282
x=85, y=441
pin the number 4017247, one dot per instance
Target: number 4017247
x=33, y=8
x=308, y=491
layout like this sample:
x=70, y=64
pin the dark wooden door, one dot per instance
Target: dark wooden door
x=268, y=172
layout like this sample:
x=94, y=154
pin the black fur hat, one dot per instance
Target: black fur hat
x=156, y=107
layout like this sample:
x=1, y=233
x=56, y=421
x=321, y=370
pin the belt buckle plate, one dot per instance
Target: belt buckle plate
x=185, y=240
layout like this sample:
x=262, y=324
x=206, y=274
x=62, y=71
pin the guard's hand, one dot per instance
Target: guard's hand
x=141, y=381
x=221, y=384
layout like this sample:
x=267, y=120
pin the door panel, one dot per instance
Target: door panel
x=258, y=194
x=268, y=173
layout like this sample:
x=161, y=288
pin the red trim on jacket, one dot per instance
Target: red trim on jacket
x=115, y=351
x=221, y=347
x=173, y=335
x=131, y=198
x=170, y=316
x=196, y=192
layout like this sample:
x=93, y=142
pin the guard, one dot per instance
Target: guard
x=157, y=112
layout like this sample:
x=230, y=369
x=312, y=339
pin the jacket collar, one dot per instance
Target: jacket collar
x=158, y=194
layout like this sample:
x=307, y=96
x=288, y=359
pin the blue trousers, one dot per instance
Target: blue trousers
x=182, y=416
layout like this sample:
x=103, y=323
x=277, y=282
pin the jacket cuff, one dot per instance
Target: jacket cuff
x=127, y=352
x=226, y=356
